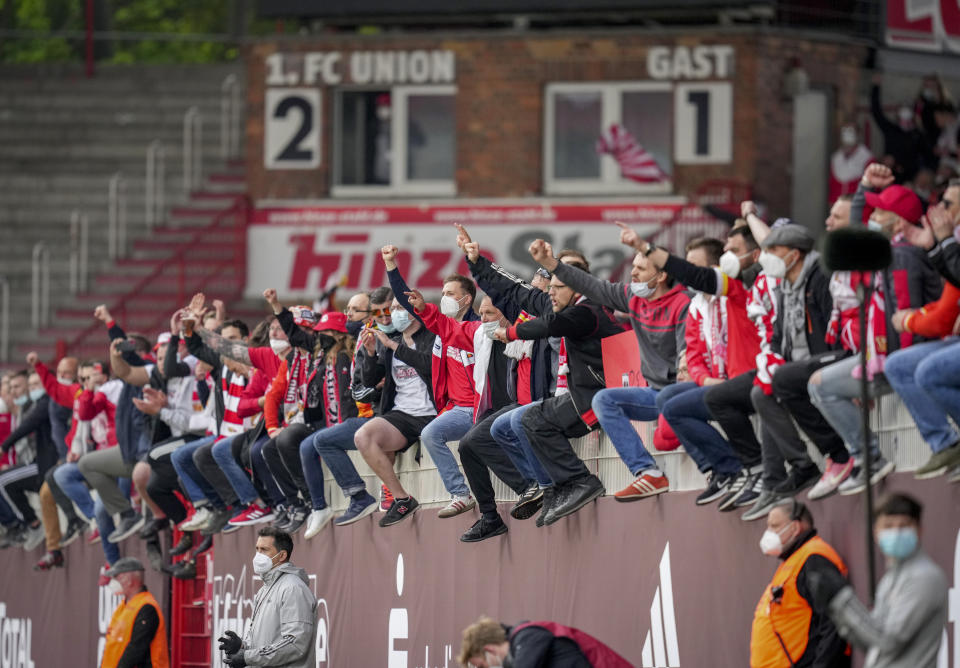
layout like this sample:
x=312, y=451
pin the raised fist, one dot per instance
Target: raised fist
x=102, y=314
x=877, y=176
x=542, y=253
x=32, y=359
x=389, y=253
x=270, y=295
x=747, y=207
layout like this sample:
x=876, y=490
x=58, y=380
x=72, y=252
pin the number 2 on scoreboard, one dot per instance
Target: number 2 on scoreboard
x=291, y=137
x=703, y=123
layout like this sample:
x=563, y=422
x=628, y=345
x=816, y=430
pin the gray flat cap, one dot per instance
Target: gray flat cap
x=125, y=565
x=791, y=236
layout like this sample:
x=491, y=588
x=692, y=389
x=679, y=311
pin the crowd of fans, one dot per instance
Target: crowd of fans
x=212, y=426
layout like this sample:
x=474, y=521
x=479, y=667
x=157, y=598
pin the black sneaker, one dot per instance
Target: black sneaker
x=153, y=527
x=483, y=529
x=219, y=521
x=798, y=480
x=129, y=525
x=399, y=510
x=204, y=545
x=185, y=570
x=295, y=519
x=283, y=516
x=75, y=528
x=717, y=486
x=528, y=504
x=575, y=495
x=549, y=498
x=747, y=496
x=183, y=545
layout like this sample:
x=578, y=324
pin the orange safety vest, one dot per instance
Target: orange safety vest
x=790, y=618
x=121, y=627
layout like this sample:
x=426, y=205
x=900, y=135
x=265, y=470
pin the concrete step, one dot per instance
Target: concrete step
x=208, y=103
x=118, y=77
x=158, y=117
x=96, y=150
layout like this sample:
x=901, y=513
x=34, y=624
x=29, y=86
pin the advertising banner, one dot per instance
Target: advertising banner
x=299, y=251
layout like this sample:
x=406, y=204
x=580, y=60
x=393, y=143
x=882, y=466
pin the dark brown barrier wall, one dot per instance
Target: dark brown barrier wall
x=663, y=582
x=636, y=575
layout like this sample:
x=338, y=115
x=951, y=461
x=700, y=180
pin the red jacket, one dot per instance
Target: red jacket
x=452, y=370
x=457, y=336
x=90, y=405
x=65, y=395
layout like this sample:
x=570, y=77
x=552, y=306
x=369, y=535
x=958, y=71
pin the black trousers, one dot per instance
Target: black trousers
x=62, y=500
x=14, y=485
x=480, y=454
x=729, y=404
x=164, y=482
x=790, y=389
x=548, y=426
x=207, y=465
x=282, y=455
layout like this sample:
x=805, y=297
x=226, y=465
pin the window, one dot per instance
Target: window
x=394, y=141
x=608, y=138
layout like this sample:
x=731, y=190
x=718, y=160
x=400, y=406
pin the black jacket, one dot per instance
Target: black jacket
x=36, y=421
x=535, y=647
x=825, y=647
x=375, y=369
x=314, y=412
x=945, y=257
x=219, y=372
x=582, y=327
x=363, y=393
x=508, y=292
x=817, y=311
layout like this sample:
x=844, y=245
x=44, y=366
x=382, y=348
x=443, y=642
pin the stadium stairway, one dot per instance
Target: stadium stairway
x=63, y=138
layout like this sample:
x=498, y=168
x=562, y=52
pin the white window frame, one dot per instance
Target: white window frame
x=399, y=184
x=610, y=181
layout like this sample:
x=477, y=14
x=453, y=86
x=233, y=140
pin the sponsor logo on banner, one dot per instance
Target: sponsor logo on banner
x=16, y=640
x=660, y=646
x=398, y=629
x=298, y=251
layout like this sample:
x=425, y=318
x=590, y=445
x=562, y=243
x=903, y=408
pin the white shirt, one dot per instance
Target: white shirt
x=413, y=396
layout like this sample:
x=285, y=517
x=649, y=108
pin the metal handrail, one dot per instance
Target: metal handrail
x=156, y=184
x=192, y=150
x=79, y=251
x=230, y=117
x=40, y=286
x=4, y=319
x=117, y=217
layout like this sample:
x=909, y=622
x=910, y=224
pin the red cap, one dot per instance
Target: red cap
x=332, y=320
x=899, y=199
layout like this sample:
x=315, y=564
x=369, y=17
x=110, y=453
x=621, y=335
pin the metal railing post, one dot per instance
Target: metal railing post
x=117, y=217
x=230, y=117
x=40, y=286
x=192, y=150
x=155, y=188
x=4, y=319
x=79, y=251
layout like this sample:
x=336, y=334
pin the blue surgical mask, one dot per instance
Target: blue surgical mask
x=401, y=320
x=642, y=290
x=36, y=394
x=389, y=328
x=898, y=543
x=21, y=400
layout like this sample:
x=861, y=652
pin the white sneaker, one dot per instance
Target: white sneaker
x=460, y=504
x=200, y=517
x=317, y=520
x=33, y=537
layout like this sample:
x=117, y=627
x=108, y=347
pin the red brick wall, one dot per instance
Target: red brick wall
x=499, y=105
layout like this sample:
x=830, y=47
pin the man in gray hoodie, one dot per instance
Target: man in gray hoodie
x=283, y=628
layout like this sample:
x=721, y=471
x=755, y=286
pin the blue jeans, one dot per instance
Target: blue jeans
x=237, y=477
x=105, y=526
x=614, y=408
x=262, y=471
x=684, y=409
x=834, y=397
x=74, y=485
x=507, y=430
x=927, y=378
x=315, y=446
x=449, y=426
x=332, y=445
x=194, y=484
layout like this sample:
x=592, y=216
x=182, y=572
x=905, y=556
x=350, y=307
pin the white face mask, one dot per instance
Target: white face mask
x=449, y=306
x=261, y=563
x=773, y=265
x=642, y=290
x=492, y=660
x=770, y=543
x=848, y=137
x=401, y=320
x=279, y=346
x=730, y=263
x=64, y=381
x=115, y=587
x=490, y=327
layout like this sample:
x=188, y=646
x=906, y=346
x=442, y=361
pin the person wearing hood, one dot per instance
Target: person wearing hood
x=905, y=627
x=283, y=629
x=791, y=628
